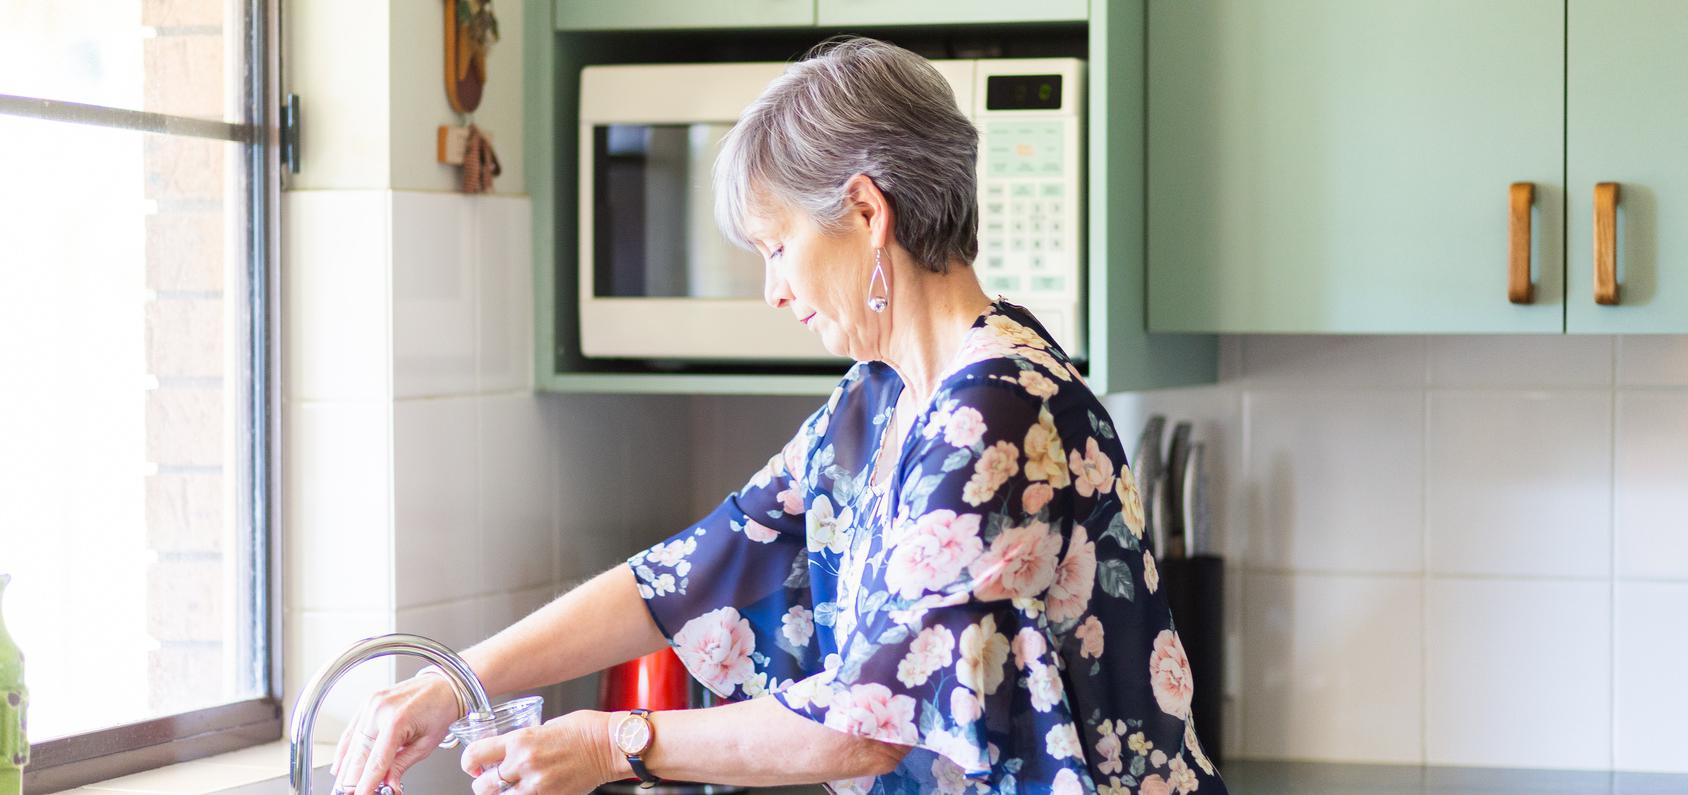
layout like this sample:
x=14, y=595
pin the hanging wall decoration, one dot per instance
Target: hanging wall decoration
x=470, y=30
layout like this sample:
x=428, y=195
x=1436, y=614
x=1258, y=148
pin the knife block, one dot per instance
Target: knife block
x=1194, y=588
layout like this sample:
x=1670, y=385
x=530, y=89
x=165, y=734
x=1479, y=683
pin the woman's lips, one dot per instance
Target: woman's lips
x=811, y=316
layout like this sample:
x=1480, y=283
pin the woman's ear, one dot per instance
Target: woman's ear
x=868, y=203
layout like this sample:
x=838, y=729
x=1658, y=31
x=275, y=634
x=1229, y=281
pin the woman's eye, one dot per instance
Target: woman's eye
x=776, y=252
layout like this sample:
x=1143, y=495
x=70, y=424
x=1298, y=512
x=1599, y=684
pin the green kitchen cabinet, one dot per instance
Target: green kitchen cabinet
x=947, y=12
x=1344, y=166
x=682, y=14
x=1626, y=123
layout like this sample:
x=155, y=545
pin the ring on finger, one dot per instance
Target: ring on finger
x=503, y=786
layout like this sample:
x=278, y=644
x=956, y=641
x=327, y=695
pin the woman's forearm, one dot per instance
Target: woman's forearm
x=752, y=743
x=599, y=623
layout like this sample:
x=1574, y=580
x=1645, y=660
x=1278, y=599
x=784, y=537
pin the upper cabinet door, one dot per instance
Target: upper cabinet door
x=683, y=14
x=1345, y=165
x=1628, y=124
x=946, y=12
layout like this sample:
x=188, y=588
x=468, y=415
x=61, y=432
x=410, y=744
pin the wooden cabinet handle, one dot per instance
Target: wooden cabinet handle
x=1606, y=243
x=1519, y=290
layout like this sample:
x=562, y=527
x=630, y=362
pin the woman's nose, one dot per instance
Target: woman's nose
x=775, y=290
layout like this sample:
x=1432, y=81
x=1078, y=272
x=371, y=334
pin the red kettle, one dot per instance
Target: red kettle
x=657, y=681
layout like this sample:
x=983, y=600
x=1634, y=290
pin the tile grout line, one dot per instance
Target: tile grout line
x=1612, y=563
x=1424, y=563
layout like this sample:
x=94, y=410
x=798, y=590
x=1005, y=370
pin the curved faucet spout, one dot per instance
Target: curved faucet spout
x=462, y=678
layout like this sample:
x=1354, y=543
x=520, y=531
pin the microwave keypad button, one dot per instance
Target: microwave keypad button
x=1038, y=262
x=1050, y=190
x=993, y=208
x=1017, y=244
x=1047, y=284
x=1037, y=244
x=994, y=226
x=995, y=190
x=1022, y=190
x=1004, y=284
x=994, y=245
x=994, y=263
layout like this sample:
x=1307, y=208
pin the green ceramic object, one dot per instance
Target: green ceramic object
x=14, y=702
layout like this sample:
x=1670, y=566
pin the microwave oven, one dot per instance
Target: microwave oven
x=658, y=281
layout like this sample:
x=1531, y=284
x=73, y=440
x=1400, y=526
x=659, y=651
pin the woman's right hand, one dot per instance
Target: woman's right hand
x=397, y=727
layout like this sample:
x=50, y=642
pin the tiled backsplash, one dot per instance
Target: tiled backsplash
x=1442, y=550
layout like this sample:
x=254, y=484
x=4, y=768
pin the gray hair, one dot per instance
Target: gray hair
x=857, y=106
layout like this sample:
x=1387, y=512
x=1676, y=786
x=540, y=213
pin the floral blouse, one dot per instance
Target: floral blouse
x=994, y=605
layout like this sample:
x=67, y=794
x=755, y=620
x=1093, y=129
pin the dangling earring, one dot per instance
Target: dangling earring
x=878, y=299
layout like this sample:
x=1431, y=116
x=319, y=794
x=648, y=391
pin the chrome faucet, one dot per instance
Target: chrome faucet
x=462, y=678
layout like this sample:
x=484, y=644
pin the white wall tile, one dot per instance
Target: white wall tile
x=1653, y=360
x=1650, y=733
x=1651, y=509
x=1519, y=673
x=1337, y=360
x=517, y=477
x=337, y=492
x=314, y=639
x=504, y=261
x=457, y=624
x=1517, y=360
x=500, y=610
x=436, y=514
x=435, y=298
x=1333, y=668
x=655, y=435
x=1519, y=483
x=1335, y=480
x=335, y=307
x=734, y=435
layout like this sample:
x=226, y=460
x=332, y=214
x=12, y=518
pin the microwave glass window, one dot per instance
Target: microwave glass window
x=654, y=216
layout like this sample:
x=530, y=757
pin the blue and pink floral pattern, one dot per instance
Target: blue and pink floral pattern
x=994, y=605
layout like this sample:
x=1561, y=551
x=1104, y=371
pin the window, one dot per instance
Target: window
x=136, y=207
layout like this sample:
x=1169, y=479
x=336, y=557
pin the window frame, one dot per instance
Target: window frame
x=78, y=760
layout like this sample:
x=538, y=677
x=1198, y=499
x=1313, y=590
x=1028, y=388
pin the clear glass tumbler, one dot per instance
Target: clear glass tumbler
x=520, y=713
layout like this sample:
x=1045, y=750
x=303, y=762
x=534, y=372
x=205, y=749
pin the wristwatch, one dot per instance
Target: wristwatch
x=633, y=737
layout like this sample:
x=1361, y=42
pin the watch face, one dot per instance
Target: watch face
x=633, y=734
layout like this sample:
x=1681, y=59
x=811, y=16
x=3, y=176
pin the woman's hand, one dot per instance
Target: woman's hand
x=568, y=754
x=397, y=727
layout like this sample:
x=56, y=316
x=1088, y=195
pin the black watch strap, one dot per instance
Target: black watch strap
x=646, y=778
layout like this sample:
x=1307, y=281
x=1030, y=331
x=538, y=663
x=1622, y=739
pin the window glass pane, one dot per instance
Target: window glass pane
x=125, y=468
x=181, y=57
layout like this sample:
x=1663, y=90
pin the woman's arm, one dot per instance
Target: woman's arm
x=597, y=624
x=754, y=743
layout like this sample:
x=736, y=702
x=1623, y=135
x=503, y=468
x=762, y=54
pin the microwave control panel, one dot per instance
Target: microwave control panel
x=1031, y=208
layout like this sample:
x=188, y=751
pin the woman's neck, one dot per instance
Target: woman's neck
x=931, y=314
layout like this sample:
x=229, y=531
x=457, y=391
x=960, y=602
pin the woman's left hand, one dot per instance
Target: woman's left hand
x=568, y=754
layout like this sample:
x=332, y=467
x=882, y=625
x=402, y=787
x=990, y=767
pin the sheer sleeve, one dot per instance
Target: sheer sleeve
x=731, y=592
x=948, y=646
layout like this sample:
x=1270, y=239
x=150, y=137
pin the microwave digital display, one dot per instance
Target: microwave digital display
x=1023, y=92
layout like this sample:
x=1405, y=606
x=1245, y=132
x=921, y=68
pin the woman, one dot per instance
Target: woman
x=939, y=585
